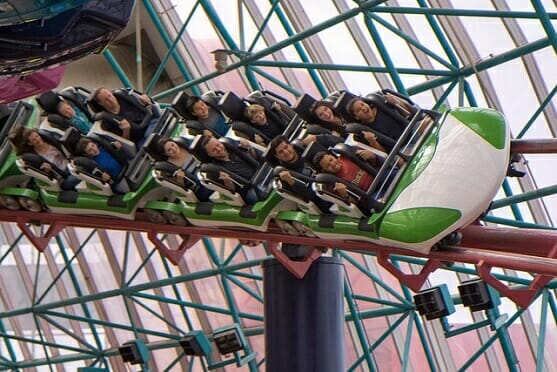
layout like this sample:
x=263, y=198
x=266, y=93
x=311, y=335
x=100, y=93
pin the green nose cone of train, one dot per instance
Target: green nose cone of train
x=415, y=225
x=488, y=124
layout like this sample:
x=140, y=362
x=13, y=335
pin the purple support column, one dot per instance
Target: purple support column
x=304, y=319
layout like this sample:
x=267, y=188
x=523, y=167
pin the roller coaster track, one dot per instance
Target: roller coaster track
x=527, y=250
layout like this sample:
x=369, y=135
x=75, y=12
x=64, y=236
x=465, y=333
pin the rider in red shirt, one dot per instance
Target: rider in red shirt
x=346, y=169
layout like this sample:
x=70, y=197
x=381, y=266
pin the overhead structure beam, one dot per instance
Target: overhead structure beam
x=273, y=48
x=343, y=67
x=228, y=39
x=545, y=19
x=296, y=15
x=463, y=12
x=167, y=40
x=483, y=65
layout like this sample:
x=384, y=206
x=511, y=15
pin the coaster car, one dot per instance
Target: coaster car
x=454, y=164
x=94, y=195
x=228, y=208
x=15, y=187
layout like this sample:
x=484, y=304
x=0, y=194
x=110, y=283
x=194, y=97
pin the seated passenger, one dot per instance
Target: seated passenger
x=51, y=160
x=245, y=165
x=290, y=158
x=66, y=110
x=329, y=118
x=390, y=121
x=178, y=155
x=75, y=116
x=127, y=115
x=269, y=128
x=175, y=153
x=277, y=108
x=112, y=160
x=332, y=120
x=208, y=116
x=347, y=170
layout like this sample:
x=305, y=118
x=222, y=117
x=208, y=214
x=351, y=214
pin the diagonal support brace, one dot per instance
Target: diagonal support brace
x=173, y=255
x=40, y=242
x=297, y=268
x=521, y=297
x=412, y=281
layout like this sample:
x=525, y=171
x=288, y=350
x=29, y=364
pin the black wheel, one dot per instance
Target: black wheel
x=30, y=204
x=9, y=202
x=175, y=218
x=287, y=228
x=451, y=240
x=303, y=229
x=155, y=216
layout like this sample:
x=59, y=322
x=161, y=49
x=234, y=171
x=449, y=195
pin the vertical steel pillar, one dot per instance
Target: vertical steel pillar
x=304, y=318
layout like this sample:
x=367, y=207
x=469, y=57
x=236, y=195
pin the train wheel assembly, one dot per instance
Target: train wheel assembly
x=29, y=204
x=155, y=216
x=174, y=218
x=9, y=202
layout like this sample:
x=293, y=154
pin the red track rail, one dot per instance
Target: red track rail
x=534, y=146
x=533, y=251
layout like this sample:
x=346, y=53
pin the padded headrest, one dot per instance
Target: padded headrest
x=255, y=95
x=180, y=105
x=183, y=141
x=151, y=146
x=48, y=101
x=341, y=102
x=266, y=98
x=50, y=137
x=317, y=129
x=32, y=160
x=232, y=106
x=334, y=96
x=312, y=149
x=58, y=121
x=95, y=107
x=4, y=111
x=130, y=96
x=197, y=149
x=70, y=138
x=259, y=98
x=303, y=107
x=166, y=167
x=212, y=98
x=248, y=130
x=85, y=163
